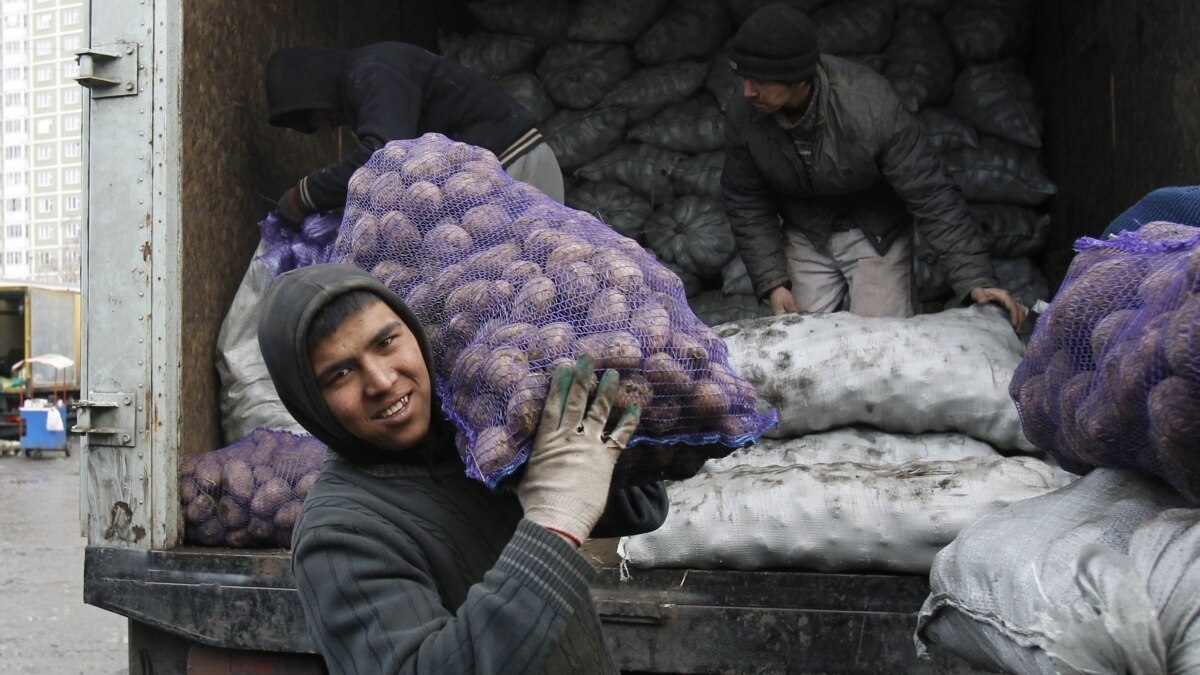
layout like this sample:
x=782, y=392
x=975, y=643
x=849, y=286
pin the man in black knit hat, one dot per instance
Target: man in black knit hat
x=826, y=174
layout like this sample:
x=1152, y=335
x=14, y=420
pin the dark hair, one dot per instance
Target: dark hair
x=331, y=317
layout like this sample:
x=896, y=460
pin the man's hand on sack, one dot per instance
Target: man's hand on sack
x=566, y=481
x=1016, y=311
x=288, y=207
x=782, y=301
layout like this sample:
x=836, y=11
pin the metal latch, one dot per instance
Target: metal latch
x=107, y=419
x=109, y=70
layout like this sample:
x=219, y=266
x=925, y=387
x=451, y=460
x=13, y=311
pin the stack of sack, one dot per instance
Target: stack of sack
x=893, y=435
x=1102, y=576
x=630, y=94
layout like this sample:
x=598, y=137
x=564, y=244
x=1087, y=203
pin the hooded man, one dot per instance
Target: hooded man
x=391, y=91
x=402, y=562
x=826, y=174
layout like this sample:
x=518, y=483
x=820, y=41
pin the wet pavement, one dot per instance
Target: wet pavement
x=45, y=627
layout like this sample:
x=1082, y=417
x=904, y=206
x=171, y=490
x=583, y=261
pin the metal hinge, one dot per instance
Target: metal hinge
x=115, y=412
x=109, y=70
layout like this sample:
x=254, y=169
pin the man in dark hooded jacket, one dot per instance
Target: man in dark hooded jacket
x=391, y=91
x=402, y=562
x=825, y=175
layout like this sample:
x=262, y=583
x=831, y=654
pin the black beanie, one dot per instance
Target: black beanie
x=775, y=44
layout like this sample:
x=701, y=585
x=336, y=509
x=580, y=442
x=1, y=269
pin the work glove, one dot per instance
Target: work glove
x=291, y=209
x=567, y=476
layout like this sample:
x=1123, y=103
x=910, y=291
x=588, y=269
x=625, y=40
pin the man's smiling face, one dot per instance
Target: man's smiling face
x=374, y=379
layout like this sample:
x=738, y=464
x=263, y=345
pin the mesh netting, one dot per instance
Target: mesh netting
x=287, y=247
x=1112, y=373
x=509, y=284
x=249, y=494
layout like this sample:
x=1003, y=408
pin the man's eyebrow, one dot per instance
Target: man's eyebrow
x=387, y=329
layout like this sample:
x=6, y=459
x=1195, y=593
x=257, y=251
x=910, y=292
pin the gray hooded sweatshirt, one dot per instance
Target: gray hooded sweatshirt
x=405, y=565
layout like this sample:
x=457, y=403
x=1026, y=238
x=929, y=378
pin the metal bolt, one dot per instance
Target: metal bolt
x=128, y=86
x=126, y=400
x=125, y=438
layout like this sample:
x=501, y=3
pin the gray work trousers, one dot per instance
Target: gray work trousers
x=850, y=274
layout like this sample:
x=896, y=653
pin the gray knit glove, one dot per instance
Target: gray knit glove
x=566, y=481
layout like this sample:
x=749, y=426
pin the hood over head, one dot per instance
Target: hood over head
x=288, y=309
x=300, y=79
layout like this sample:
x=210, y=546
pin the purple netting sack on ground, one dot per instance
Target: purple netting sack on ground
x=249, y=494
x=509, y=284
x=1111, y=376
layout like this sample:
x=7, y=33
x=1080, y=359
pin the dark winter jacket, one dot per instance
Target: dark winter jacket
x=865, y=165
x=408, y=566
x=390, y=91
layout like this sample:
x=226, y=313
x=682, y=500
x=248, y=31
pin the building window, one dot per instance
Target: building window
x=72, y=256
x=71, y=123
x=73, y=203
x=14, y=74
x=71, y=176
x=14, y=152
x=15, y=100
x=14, y=179
x=45, y=151
x=43, y=47
x=14, y=231
x=13, y=48
x=43, y=73
x=45, y=178
x=71, y=43
x=45, y=231
x=12, y=258
x=16, y=205
x=44, y=99
x=43, y=21
x=70, y=17
x=71, y=149
x=47, y=258
x=45, y=126
x=71, y=96
x=14, y=126
x=46, y=205
x=72, y=229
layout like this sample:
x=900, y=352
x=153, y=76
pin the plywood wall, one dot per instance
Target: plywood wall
x=1121, y=88
x=236, y=166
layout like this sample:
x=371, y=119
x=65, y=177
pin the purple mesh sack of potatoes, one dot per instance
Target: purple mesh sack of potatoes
x=509, y=284
x=1111, y=377
x=248, y=495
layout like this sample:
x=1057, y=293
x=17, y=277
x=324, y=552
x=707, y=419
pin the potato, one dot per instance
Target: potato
x=420, y=298
x=469, y=366
x=1107, y=329
x=187, y=468
x=629, y=247
x=1175, y=434
x=494, y=449
x=486, y=167
x=459, y=153
x=1162, y=288
x=1166, y=231
x=187, y=489
x=1181, y=344
x=576, y=281
x=486, y=220
x=262, y=531
x=360, y=184
x=233, y=512
x=521, y=271
x=535, y=299
x=200, y=509
x=1106, y=287
x=659, y=278
x=493, y=262
x=1146, y=365
x=386, y=192
x=263, y=474
x=666, y=374
x=652, y=325
x=482, y=410
x=538, y=244
x=504, y=368
x=285, y=517
x=208, y=533
x=633, y=388
x=398, y=233
x=568, y=251
x=269, y=496
x=305, y=484
x=617, y=270
x=480, y=298
x=241, y=538
x=609, y=311
x=553, y=339
x=447, y=279
x=467, y=186
x=524, y=407
x=527, y=225
x=614, y=349
x=689, y=352
x=708, y=400
x=208, y=473
x=237, y=480
x=446, y=242
x=364, y=237
x=422, y=165
x=518, y=191
x=660, y=417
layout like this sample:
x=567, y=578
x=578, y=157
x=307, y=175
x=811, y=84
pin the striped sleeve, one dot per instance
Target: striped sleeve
x=372, y=606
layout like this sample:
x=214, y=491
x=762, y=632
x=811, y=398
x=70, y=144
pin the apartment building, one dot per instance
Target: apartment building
x=42, y=140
